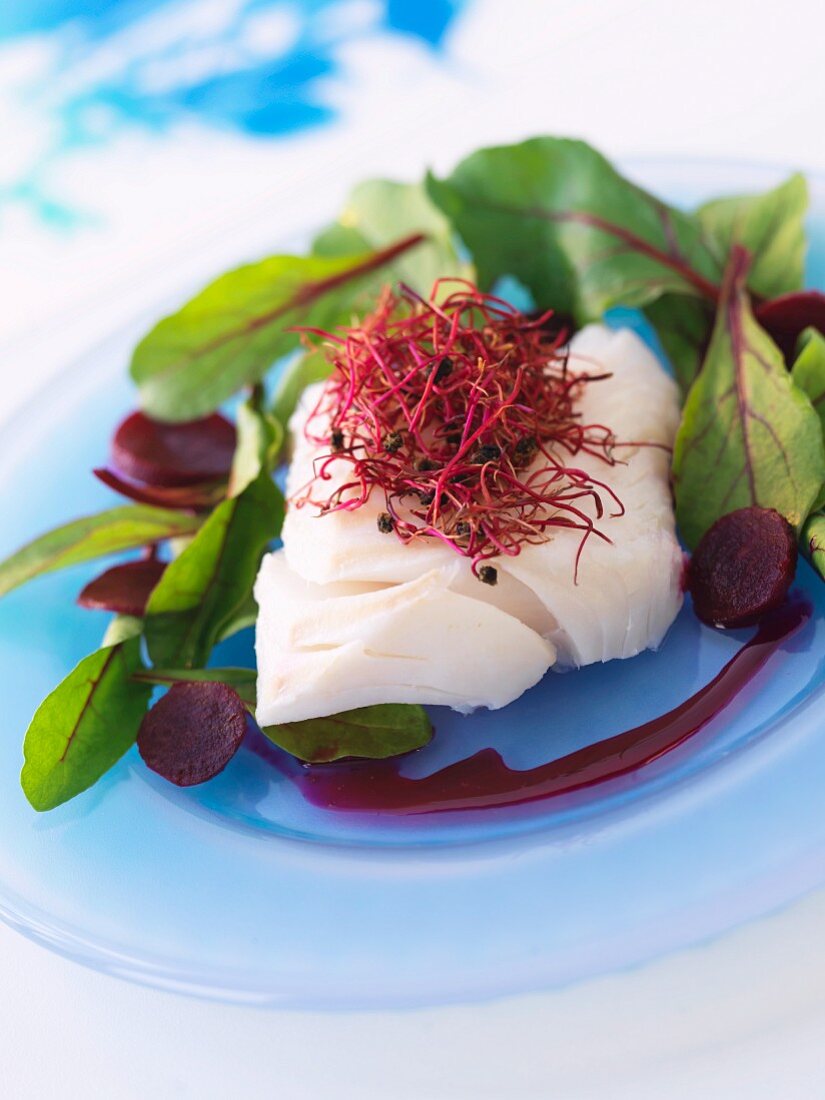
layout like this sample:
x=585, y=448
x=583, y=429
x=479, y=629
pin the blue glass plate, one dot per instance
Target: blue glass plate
x=240, y=890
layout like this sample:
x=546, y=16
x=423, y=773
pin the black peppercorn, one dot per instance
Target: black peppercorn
x=488, y=574
x=443, y=370
x=489, y=452
x=524, y=451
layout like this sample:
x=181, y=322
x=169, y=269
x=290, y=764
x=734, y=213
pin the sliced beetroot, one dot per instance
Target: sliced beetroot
x=124, y=589
x=786, y=318
x=192, y=732
x=158, y=453
x=742, y=567
x=194, y=498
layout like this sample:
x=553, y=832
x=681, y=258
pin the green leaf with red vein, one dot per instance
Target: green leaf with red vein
x=772, y=228
x=203, y=589
x=84, y=726
x=555, y=214
x=387, y=729
x=231, y=333
x=748, y=435
x=92, y=537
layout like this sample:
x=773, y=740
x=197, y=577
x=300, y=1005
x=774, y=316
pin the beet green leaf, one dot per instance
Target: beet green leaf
x=749, y=435
x=813, y=542
x=260, y=437
x=378, y=212
x=109, y=532
x=772, y=228
x=202, y=591
x=231, y=333
x=809, y=370
x=683, y=326
x=84, y=726
x=556, y=215
x=377, y=732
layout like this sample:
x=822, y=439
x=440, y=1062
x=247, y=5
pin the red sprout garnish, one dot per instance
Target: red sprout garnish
x=191, y=498
x=124, y=589
x=192, y=732
x=742, y=567
x=463, y=415
x=160, y=454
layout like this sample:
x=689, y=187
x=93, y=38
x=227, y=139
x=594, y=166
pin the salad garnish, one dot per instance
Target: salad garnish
x=550, y=219
x=460, y=412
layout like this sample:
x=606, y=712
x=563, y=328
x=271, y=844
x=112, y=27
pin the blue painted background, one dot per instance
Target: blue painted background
x=260, y=94
x=218, y=67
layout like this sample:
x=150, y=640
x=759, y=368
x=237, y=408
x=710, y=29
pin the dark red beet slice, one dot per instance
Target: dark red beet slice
x=123, y=589
x=194, y=498
x=192, y=732
x=157, y=453
x=742, y=567
x=786, y=318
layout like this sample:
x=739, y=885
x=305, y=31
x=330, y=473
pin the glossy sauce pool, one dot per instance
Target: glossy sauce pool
x=484, y=780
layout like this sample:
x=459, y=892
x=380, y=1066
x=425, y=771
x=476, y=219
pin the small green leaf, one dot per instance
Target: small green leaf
x=201, y=591
x=121, y=628
x=371, y=732
x=555, y=214
x=81, y=540
x=683, y=326
x=242, y=680
x=813, y=542
x=809, y=370
x=748, y=434
x=772, y=228
x=260, y=437
x=230, y=334
x=376, y=213
x=303, y=372
x=809, y=374
x=84, y=726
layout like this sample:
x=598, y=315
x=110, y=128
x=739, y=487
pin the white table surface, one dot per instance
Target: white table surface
x=742, y=1016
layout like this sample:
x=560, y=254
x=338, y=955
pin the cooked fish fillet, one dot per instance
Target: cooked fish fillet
x=350, y=616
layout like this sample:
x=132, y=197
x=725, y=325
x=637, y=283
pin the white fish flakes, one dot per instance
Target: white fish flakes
x=350, y=616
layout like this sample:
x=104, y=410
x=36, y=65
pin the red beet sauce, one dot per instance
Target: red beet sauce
x=484, y=780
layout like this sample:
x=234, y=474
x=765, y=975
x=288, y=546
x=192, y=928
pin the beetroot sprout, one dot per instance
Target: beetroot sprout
x=462, y=414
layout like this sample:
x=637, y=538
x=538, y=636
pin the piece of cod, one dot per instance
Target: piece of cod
x=350, y=616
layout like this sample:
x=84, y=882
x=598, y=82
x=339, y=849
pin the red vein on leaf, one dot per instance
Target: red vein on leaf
x=732, y=292
x=88, y=705
x=305, y=295
x=675, y=263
